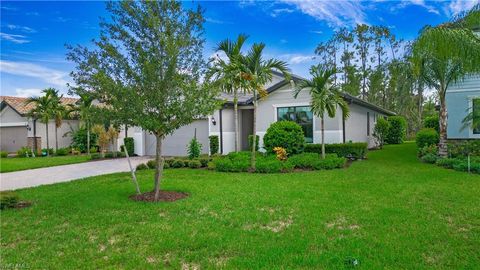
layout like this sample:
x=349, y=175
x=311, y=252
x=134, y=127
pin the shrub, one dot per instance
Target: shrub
x=177, y=163
x=214, y=144
x=380, y=132
x=429, y=158
x=8, y=199
x=286, y=134
x=464, y=148
x=204, y=161
x=233, y=162
x=152, y=164
x=432, y=122
x=62, y=151
x=430, y=149
x=397, y=130
x=169, y=161
x=194, y=148
x=24, y=151
x=3, y=154
x=427, y=137
x=108, y=155
x=347, y=150
x=446, y=162
x=269, y=165
x=315, y=162
x=142, y=166
x=45, y=150
x=79, y=139
x=96, y=156
x=93, y=149
x=250, y=142
x=129, y=144
x=281, y=153
x=166, y=165
x=194, y=164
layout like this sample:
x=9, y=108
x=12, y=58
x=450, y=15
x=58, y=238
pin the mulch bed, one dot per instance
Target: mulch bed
x=23, y=204
x=165, y=196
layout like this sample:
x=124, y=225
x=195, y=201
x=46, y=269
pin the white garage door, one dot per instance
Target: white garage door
x=12, y=138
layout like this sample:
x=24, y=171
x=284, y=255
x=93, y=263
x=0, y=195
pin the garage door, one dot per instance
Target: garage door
x=12, y=138
x=176, y=144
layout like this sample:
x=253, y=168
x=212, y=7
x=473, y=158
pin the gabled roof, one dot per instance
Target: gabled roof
x=18, y=103
x=247, y=99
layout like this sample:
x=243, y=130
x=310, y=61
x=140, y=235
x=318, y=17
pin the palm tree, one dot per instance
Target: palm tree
x=83, y=108
x=256, y=72
x=43, y=110
x=446, y=54
x=58, y=111
x=227, y=74
x=325, y=96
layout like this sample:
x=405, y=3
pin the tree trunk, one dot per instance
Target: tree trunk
x=126, y=130
x=159, y=168
x=442, y=145
x=235, y=112
x=56, y=138
x=88, y=138
x=323, y=138
x=48, y=145
x=134, y=177
x=254, y=137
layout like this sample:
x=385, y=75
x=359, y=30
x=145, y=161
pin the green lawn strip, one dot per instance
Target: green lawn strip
x=389, y=211
x=19, y=164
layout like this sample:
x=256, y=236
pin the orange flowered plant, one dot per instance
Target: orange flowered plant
x=281, y=153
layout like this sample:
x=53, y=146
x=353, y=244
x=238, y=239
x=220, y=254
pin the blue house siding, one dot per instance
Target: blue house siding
x=459, y=98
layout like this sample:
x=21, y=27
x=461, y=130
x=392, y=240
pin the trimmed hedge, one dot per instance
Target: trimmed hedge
x=286, y=134
x=3, y=154
x=142, y=166
x=397, y=131
x=129, y=144
x=62, y=152
x=346, y=150
x=250, y=142
x=314, y=161
x=432, y=122
x=427, y=137
x=214, y=144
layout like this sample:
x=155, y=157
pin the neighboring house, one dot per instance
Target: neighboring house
x=278, y=105
x=460, y=99
x=17, y=129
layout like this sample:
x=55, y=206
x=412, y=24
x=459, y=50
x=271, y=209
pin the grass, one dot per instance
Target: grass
x=19, y=164
x=389, y=212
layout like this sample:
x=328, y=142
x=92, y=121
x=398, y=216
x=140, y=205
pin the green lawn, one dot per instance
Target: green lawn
x=19, y=164
x=389, y=211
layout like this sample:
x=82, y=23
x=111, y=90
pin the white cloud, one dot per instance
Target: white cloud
x=19, y=39
x=50, y=76
x=215, y=21
x=420, y=3
x=335, y=13
x=33, y=13
x=294, y=59
x=458, y=6
x=279, y=11
x=28, y=92
x=24, y=29
x=316, y=32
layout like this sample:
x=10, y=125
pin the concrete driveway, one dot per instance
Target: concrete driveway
x=65, y=173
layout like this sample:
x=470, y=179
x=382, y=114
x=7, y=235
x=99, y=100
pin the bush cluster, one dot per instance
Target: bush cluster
x=3, y=154
x=427, y=137
x=45, y=150
x=313, y=161
x=8, y=200
x=286, y=134
x=397, y=130
x=107, y=155
x=129, y=144
x=460, y=164
x=346, y=150
x=250, y=142
x=432, y=122
x=194, y=148
x=380, y=132
x=24, y=151
x=214, y=144
x=62, y=151
x=79, y=139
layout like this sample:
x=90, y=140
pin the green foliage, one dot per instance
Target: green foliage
x=3, y=154
x=130, y=145
x=204, y=161
x=94, y=156
x=152, y=164
x=429, y=149
x=79, y=139
x=314, y=161
x=459, y=164
x=397, y=131
x=142, y=166
x=250, y=142
x=432, y=122
x=178, y=163
x=380, y=132
x=427, y=137
x=429, y=158
x=24, y=151
x=46, y=151
x=8, y=199
x=62, y=151
x=194, y=164
x=214, y=144
x=286, y=134
x=464, y=148
x=194, y=148
x=347, y=150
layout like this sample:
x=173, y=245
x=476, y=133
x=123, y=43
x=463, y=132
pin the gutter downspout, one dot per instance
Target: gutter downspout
x=221, y=131
x=35, y=134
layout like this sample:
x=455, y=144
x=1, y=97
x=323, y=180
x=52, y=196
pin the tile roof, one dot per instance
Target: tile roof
x=18, y=103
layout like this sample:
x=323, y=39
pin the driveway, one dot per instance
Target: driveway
x=65, y=173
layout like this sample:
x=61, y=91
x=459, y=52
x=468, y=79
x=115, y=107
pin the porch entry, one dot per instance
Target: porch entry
x=246, y=127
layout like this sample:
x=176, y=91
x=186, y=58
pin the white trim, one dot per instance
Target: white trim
x=14, y=124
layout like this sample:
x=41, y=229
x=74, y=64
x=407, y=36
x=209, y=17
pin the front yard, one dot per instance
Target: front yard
x=389, y=211
x=26, y=163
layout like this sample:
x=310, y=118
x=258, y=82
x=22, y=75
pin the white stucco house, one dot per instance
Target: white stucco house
x=278, y=105
x=18, y=130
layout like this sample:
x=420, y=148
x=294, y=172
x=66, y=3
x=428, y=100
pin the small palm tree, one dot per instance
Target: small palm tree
x=43, y=110
x=445, y=54
x=58, y=111
x=256, y=72
x=83, y=108
x=325, y=96
x=228, y=74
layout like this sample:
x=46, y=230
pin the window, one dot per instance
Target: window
x=476, y=115
x=302, y=116
x=368, y=123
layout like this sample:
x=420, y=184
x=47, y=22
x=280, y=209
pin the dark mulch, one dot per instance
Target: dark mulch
x=165, y=196
x=23, y=204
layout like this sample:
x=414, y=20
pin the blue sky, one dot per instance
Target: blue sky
x=33, y=34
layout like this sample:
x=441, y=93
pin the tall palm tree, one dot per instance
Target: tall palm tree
x=325, y=96
x=42, y=110
x=256, y=72
x=83, y=108
x=228, y=74
x=446, y=54
x=58, y=111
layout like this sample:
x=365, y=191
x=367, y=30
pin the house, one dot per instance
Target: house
x=278, y=105
x=18, y=130
x=461, y=98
